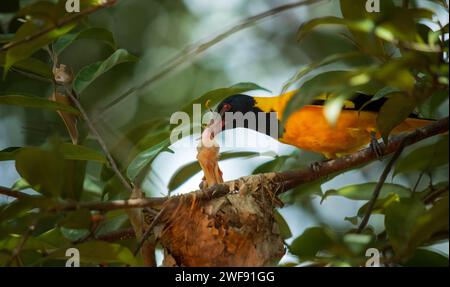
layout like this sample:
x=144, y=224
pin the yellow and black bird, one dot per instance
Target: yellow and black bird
x=308, y=129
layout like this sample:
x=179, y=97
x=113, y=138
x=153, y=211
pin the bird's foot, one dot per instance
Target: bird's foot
x=316, y=166
x=375, y=146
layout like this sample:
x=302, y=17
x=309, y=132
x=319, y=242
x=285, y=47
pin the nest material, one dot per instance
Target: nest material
x=234, y=230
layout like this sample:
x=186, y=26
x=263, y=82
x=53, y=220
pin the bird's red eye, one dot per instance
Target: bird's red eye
x=226, y=107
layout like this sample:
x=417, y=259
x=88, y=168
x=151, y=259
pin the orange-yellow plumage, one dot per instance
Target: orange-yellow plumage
x=308, y=128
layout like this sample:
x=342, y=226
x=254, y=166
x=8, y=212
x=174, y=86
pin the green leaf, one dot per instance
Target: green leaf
x=395, y=110
x=5, y=38
x=380, y=205
x=31, y=243
x=328, y=60
x=74, y=235
x=435, y=220
x=74, y=173
x=53, y=173
x=43, y=169
x=79, y=219
x=145, y=158
x=310, y=25
x=79, y=152
x=352, y=219
x=182, y=174
x=8, y=153
x=400, y=220
x=429, y=108
x=40, y=16
x=101, y=252
x=15, y=209
x=285, y=231
x=20, y=184
x=36, y=102
x=130, y=140
x=355, y=10
x=427, y=258
x=313, y=240
x=384, y=92
x=364, y=191
x=68, y=151
x=91, y=72
x=303, y=193
x=425, y=158
x=114, y=221
x=188, y=170
x=31, y=65
x=334, y=83
x=357, y=243
x=272, y=165
x=28, y=48
x=53, y=237
x=216, y=96
x=43, y=10
x=114, y=190
x=94, y=33
x=139, y=139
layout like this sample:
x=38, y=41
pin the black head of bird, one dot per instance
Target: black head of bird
x=240, y=111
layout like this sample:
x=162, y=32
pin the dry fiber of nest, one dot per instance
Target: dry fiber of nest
x=234, y=230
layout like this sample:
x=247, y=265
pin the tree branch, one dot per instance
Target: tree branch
x=152, y=202
x=117, y=235
x=72, y=18
x=284, y=180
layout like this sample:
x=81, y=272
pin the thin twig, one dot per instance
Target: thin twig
x=14, y=193
x=380, y=184
x=416, y=185
x=192, y=51
x=99, y=139
x=72, y=18
x=117, y=235
x=31, y=75
x=149, y=231
x=434, y=194
x=155, y=203
x=23, y=240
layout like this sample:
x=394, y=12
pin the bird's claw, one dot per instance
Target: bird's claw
x=316, y=166
x=203, y=185
x=376, y=147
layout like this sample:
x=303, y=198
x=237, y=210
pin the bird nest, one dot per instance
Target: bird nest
x=237, y=229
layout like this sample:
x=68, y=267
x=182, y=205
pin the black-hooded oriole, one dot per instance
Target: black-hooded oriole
x=308, y=129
